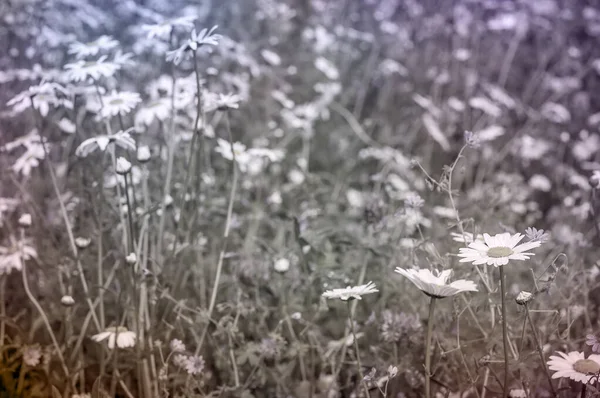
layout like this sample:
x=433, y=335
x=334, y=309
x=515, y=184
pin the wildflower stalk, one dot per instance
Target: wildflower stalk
x=69, y=229
x=215, y=289
x=356, y=348
x=2, y=309
x=504, y=332
x=39, y=308
x=538, y=347
x=428, y=348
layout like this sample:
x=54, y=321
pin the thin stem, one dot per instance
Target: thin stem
x=428, y=348
x=358, y=364
x=538, y=347
x=41, y=310
x=213, y=297
x=504, y=333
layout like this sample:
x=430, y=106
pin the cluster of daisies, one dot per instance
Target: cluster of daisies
x=496, y=250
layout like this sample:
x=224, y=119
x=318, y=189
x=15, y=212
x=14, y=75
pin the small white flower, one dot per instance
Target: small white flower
x=282, y=265
x=497, y=250
x=194, y=365
x=177, y=345
x=121, y=139
x=82, y=70
x=296, y=316
x=119, y=336
x=25, y=220
x=354, y=292
x=123, y=166
x=82, y=242
x=222, y=102
x=131, y=258
x=436, y=286
x=83, y=50
x=32, y=355
x=296, y=177
x=575, y=366
x=143, y=154
x=392, y=371
x=67, y=301
x=204, y=37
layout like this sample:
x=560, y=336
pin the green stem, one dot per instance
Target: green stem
x=504, y=333
x=538, y=346
x=428, y=348
x=358, y=364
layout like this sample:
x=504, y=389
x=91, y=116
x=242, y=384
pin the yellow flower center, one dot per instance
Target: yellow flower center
x=586, y=366
x=116, y=101
x=500, y=251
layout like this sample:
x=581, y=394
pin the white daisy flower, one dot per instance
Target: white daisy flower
x=119, y=336
x=44, y=96
x=119, y=103
x=163, y=29
x=575, y=366
x=497, y=250
x=212, y=102
x=436, y=286
x=205, y=37
x=82, y=70
x=197, y=40
x=83, y=50
x=121, y=139
x=349, y=293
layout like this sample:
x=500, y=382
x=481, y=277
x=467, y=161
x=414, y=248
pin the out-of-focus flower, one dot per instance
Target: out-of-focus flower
x=143, y=154
x=281, y=265
x=25, y=220
x=102, y=44
x=32, y=355
x=350, y=293
x=131, y=258
x=592, y=341
x=118, y=103
x=121, y=139
x=177, y=345
x=82, y=242
x=12, y=257
x=162, y=30
x=205, y=37
x=43, y=96
x=466, y=238
x=67, y=301
x=82, y=70
x=534, y=234
x=158, y=109
x=119, y=336
x=123, y=166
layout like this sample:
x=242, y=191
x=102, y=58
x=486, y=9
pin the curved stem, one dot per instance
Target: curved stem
x=428, y=348
x=504, y=333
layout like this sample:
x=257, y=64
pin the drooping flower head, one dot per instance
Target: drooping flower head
x=497, y=250
x=436, y=285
